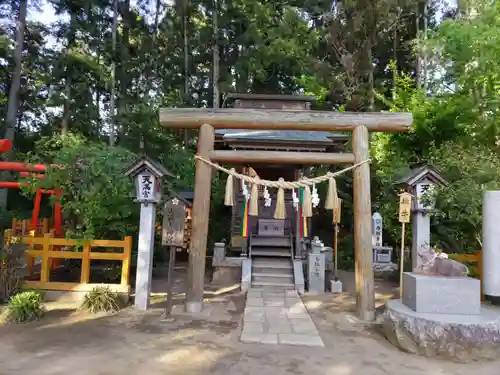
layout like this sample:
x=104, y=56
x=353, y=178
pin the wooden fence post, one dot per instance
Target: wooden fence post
x=127, y=252
x=85, y=273
x=44, y=274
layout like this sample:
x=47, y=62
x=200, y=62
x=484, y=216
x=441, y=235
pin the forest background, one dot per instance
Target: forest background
x=81, y=82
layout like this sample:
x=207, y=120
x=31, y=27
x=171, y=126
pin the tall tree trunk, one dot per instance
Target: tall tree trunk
x=112, y=117
x=418, y=64
x=369, y=66
x=124, y=76
x=152, y=58
x=69, y=77
x=215, y=51
x=13, y=104
x=185, y=20
x=395, y=59
x=425, y=62
x=186, y=52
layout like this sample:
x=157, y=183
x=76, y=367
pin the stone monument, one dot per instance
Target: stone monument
x=382, y=255
x=440, y=313
x=316, y=268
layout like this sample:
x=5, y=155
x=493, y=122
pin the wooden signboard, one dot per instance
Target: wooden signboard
x=404, y=208
x=174, y=215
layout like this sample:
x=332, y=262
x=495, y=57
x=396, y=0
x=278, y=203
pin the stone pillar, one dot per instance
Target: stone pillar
x=219, y=253
x=491, y=246
x=144, y=273
x=316, y=268
x=421, y=235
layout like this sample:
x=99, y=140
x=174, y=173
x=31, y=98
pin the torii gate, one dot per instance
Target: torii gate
x=360, y=124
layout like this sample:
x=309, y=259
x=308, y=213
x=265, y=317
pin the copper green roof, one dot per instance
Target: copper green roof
x=280, y=135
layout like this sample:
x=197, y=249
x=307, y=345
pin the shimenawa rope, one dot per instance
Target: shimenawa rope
x=281, y=183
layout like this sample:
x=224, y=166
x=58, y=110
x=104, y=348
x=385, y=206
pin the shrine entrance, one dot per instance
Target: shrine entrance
x=272, y=120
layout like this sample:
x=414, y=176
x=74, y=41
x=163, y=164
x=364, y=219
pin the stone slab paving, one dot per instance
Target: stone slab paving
x=274, y=316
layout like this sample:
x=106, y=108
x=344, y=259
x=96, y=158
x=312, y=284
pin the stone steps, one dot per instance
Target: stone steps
x=261, y=284
x=276, y=272
x=274, y=278
x=271, y=241
x=271, y=252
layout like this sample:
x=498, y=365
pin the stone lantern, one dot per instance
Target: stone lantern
x=419, y=181
x=148, y=175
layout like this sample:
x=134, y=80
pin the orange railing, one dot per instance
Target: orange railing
x=46, y=253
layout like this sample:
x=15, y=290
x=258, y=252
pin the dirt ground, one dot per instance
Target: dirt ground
x=66, y=341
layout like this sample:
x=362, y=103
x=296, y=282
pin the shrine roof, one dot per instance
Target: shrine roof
x=414, y=175
x=281, y=135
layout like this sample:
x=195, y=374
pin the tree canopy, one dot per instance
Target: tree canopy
x=83, y=90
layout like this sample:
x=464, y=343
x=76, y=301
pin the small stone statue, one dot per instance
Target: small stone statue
x=438, y=264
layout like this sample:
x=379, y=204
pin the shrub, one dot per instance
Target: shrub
x=102, y=299
x=24, y=307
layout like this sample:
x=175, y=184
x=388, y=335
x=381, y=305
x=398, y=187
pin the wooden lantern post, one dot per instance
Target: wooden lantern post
x=404, y=217
x=172, y=237
x=360, y=124
x=336, y=222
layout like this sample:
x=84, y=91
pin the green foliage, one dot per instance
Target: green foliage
x=469, y=171
x=24, y=307
x=102, y=299
x=97, y=197
x=456, y=130
x=346, y=252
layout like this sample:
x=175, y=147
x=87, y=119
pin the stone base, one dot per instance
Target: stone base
x=384, y=270
x=223, y=275
x=461, y=338
x=441, y=295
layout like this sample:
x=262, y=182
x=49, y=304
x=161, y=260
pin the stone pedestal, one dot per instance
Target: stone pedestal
x=461, y=338
x=316, y=272
x=441, y=295
x=246, y=274
x=336, y=286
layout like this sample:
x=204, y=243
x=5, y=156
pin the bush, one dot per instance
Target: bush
x=24, y=307
x=102, y=299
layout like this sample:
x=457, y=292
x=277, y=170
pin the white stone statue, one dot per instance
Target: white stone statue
x=438, y=264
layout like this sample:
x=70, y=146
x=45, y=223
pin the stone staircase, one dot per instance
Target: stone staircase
x=272, y=272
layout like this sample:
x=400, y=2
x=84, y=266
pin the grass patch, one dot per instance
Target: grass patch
x=103, y=299
x=24, y=307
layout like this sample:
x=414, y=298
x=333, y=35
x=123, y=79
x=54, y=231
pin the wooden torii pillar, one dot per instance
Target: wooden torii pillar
x=360, y=124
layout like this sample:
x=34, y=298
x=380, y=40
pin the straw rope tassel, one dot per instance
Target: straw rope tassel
x=307, y=209
x=279, y=212
x=229, y=196
x=253, y=210
x=331, y=196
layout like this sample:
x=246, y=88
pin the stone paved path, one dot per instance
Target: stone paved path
x=274, y=316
